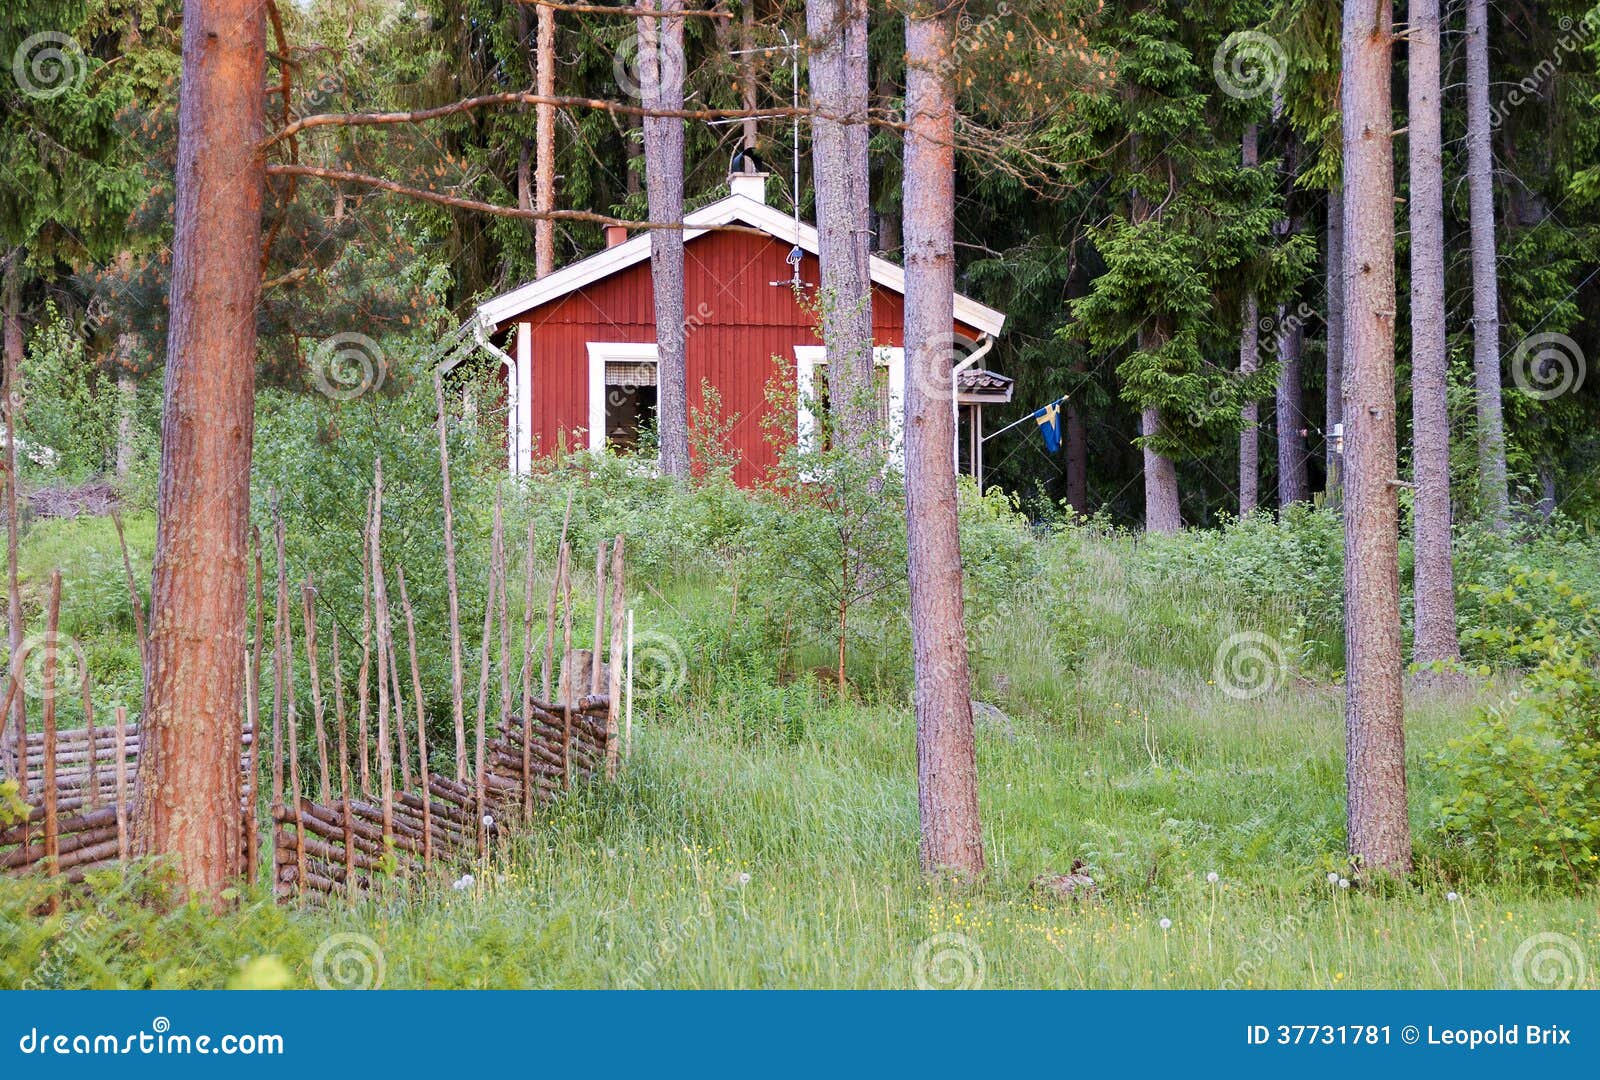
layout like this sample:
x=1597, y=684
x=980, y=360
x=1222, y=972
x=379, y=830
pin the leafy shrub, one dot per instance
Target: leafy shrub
x=69, y=417
x=1528, y=776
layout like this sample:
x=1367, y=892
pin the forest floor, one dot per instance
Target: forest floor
x=766, y=836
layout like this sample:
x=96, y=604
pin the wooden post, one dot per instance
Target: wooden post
x=52, y=837
x=483, y=675
x=252, y=838
x=279, y=627
x=343, y=741
x=627, y=730
x=599, y=615
x=279, y=619
x=134, y=598
x=381, y=618
x=252, y=710
x=567, y=678
x=344, y=766
x=527, y=676
x=402, y=742
x=456, y=688
x=503, y=575
x=422, y=720
x=550, y=612
x=88, y=723
x=122, y=786
x=363, y=674
x=309, y=612
x=615, y=660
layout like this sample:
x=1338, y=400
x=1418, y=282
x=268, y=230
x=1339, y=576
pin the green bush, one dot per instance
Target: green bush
x=1528, y=777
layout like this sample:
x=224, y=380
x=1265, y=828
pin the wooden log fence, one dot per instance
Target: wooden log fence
x=354, y=804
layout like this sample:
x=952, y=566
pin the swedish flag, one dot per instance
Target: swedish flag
x=1049, y=421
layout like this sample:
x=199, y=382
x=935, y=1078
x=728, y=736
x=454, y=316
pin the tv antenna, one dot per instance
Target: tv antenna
x=792, y=47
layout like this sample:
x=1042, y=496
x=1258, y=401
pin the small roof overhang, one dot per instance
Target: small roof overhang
x=980, y=386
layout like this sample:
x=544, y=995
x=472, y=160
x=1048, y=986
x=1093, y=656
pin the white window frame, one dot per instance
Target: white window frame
x=807, y=358
x=635, y=352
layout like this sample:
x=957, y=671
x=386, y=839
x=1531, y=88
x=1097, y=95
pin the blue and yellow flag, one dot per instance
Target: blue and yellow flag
x=1049, y=421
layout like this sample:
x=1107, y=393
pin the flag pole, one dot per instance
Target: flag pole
x=1026, y=416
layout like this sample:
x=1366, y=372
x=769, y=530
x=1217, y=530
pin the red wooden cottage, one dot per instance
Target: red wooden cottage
x=580, y=342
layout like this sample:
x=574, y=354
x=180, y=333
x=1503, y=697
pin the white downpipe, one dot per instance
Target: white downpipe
x=955, y=404
x=480, y=334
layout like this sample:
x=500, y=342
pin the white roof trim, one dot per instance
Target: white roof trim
x=726, y=211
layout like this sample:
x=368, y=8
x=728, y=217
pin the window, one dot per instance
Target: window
x=622, y=393
x=630, y=402
x=811, y=379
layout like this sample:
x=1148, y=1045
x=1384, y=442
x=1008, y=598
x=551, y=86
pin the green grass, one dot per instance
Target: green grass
x=1119, y=751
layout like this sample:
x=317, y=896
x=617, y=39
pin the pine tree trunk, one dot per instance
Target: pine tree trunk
x=837, y=30
x=1435, y=639
x=947, y=771
x=1077, y=460
x=1333, y=410
x=1249, y=434
x=661, y=85
x=1294, y=484
x=747, y=74
x=544, y=169
x=1375, y=760
x=11, y=289
x=127, y=412
x=1249, y=343
x=188, y=798
x=1485, y=288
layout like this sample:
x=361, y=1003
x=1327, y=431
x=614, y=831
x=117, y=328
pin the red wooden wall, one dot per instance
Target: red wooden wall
x=738, y=324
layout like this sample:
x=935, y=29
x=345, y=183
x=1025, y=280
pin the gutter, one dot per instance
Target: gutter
x=955, y=390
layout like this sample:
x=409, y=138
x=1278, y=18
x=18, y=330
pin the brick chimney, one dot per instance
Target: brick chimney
x=615, y=234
